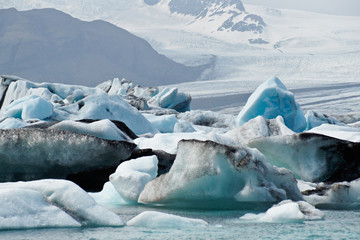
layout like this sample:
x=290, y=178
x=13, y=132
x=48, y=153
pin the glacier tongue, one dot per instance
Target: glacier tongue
x=204, y=171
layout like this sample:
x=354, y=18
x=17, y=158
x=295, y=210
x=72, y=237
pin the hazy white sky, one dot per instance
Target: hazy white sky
x=338, y=7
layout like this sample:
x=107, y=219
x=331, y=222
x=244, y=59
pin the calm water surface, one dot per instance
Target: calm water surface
x=222, y=225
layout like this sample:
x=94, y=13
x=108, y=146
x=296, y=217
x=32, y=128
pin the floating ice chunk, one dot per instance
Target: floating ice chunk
x=119, y=87
x=208, y=171
x=71, y=199
x=103, y=106
x=315, y=119
x=272, y=99
x=341, y=195
x=52, y=153
x=171, y=98
x=259, y=127
x=104, y=129
x=10, y=123
x=24, y=208
x=312, y=157
x=164, y=123
x=131, y=176
x=108, y=195
x=287, y=211
x=340, y=132
x=152, y=219
x=167, y=142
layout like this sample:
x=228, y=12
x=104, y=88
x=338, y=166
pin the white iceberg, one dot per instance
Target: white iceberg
x=152, y=219
x=272, y=99
x=341, y=195
x=259, y=127
x=131, y=176
x=287, y=211
x=25, y=208
x=68, y=197
x=208, y=171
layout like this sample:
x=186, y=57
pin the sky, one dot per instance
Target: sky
x=336, y=7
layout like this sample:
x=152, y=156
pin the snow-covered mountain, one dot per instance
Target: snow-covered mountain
x=49, y=45
x=224, y=15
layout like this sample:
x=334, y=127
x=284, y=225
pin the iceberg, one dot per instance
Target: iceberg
x=259, y=127
x=33, y=153
x=25, y=208
x=65, y=196
x=10, y=123
x=272, y=99
x=131, y=176
x=312, y=157
x=164, y=123
x=340, y=195
x=207, y=172
x=153, y=219
x=108, y=195
x=287, y=211
x=315, y=119
x=171, y=98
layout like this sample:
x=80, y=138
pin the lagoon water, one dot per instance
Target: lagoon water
x=222, y=225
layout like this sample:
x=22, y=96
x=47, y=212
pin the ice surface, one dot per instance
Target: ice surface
x=103, y=106
x=341, y=132
x=287, y=211
x=71, y=199
x=51, y=153
x=9, y=123
x=29, y=107
x=152, y=219
x=311, y=156
x=208, y=171
x=164, y=123
x=25, y=208
x=131, y=176
x=341, y=195
x=108, y=195
x=259, y=127
x=272, y=99
x=167, y=142
x=104, y=129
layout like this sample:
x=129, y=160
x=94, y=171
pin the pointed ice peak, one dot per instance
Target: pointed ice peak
x=274, y=82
